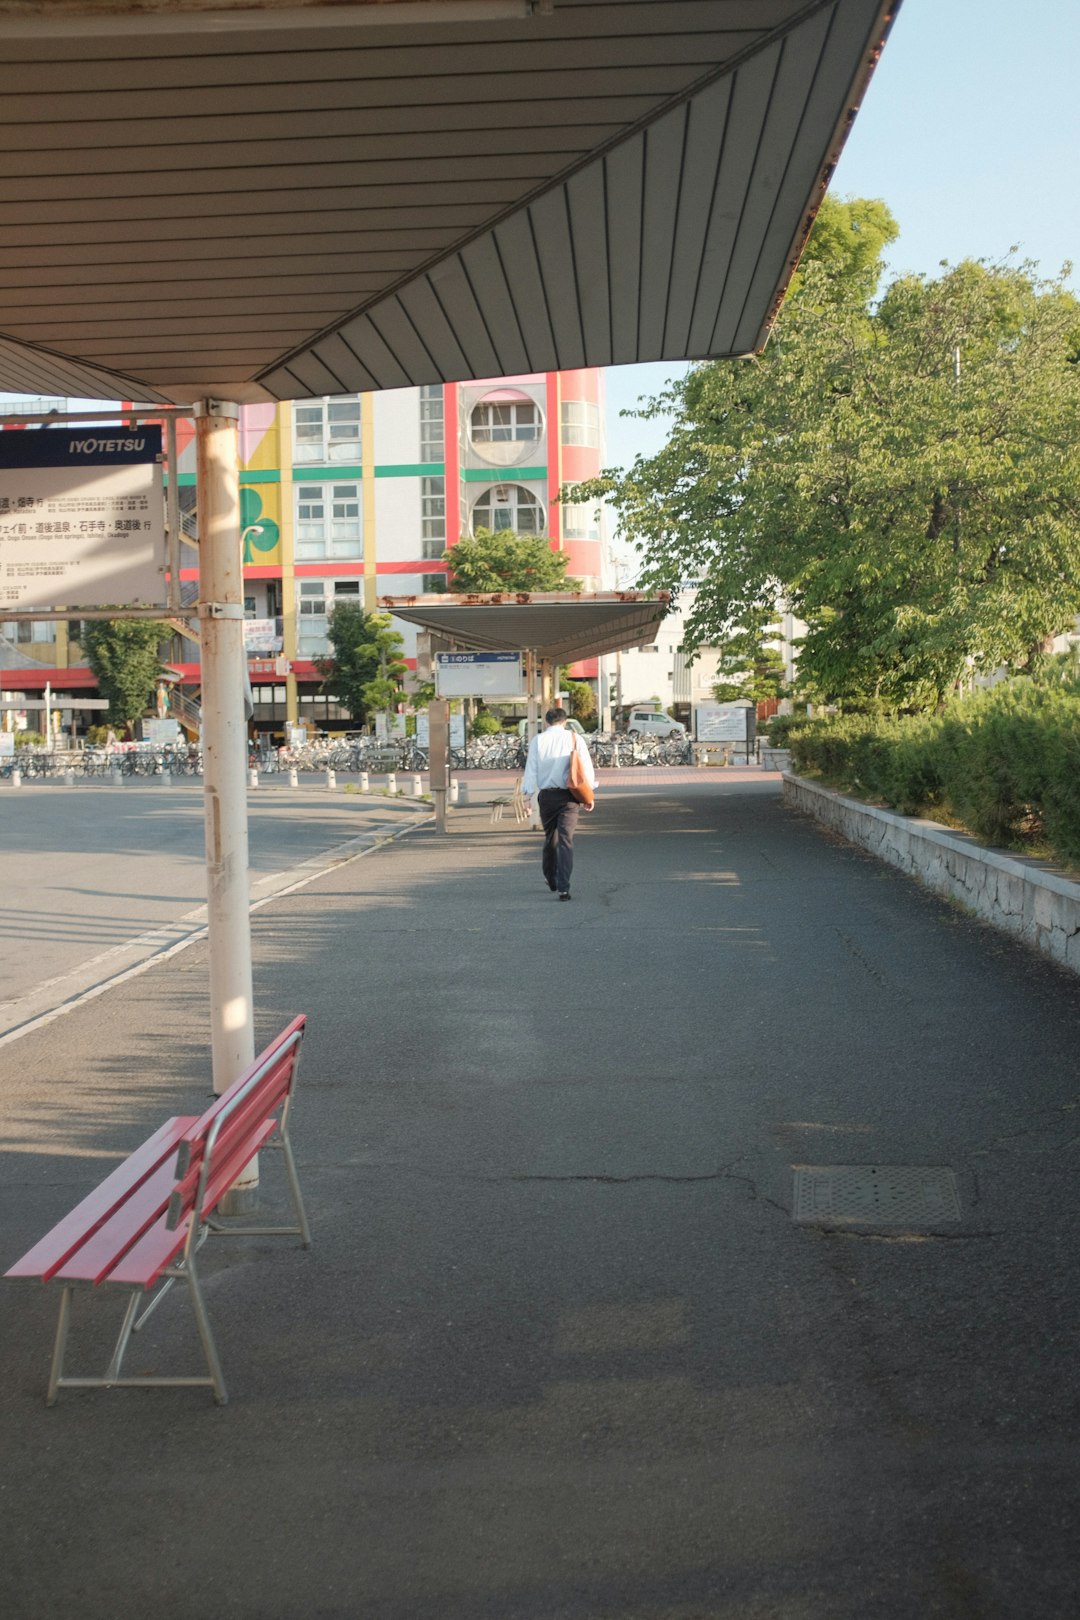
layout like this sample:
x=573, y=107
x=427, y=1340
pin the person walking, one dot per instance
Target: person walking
x=547, y=767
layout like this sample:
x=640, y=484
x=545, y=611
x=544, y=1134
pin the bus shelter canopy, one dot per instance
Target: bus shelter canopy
x=266, y=201
x=558, y=626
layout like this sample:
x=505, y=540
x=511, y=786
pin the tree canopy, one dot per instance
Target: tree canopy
x=505, y=561
x=124, y=657
x=748, y=665
x=905, y=474
x=365, y=668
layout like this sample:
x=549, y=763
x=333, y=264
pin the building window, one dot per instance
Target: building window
x=433, y=584
x=580, y=523
x=431, y=423
x=432, y=550
x=328, y=522
x=35, y=631
x=508, y=506
x=433, y=510
x=315, y=598
x=327, y=430
x=580, y=423
x=313, y=613
x=505, y=422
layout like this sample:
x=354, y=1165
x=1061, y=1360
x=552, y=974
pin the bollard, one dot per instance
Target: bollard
x=294, y=779
x=166, y=778
x=253, y=778
x=454, y=790
x=117, y=779
x=391, y=782
x=16, y=777
x=365, y=782
x=462, y=793
x=69, y=778
x=417, y=787
x=331, y=779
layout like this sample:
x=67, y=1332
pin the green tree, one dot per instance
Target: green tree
x=582, y=701
x=125, y=659
x=507, y=561
x=748, y=667
x=907, y=473
x=365, y=668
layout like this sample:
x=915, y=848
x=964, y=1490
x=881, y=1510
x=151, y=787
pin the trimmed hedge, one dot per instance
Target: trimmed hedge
x=1005, y=763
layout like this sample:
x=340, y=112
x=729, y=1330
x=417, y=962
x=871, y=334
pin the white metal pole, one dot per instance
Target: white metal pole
x=221, y=617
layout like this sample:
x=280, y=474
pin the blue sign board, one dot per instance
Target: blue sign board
x=82, y=519
x=80, y=447
x=480, y=674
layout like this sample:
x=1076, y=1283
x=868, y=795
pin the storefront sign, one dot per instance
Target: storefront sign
x=262, y=636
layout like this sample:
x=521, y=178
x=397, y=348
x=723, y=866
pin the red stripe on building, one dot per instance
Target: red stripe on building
x=450, y=463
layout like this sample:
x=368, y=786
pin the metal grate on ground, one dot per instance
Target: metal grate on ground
x=923, y=1196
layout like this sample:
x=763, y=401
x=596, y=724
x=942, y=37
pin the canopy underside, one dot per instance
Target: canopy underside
x=273, y=204
x=555, y=625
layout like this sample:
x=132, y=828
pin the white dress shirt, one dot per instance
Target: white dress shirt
x=548, y=761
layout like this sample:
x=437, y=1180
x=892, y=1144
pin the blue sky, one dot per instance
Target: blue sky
x=970, y=131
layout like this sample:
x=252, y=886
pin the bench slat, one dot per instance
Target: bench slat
x=200, y=1128
x=235, y=1133
x=94, y=1260
x=144, y=1262
x=51, y=1252
x=226, y=1169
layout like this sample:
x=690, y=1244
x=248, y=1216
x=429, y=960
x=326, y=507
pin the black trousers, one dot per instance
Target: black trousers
x=558, y=817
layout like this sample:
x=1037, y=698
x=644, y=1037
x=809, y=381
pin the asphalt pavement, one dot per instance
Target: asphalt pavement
x=560, y=1350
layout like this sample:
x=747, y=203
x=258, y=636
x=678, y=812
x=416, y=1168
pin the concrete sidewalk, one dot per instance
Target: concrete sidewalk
x=559, y=1351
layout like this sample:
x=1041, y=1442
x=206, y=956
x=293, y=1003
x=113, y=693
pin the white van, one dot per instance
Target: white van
x=651, y=723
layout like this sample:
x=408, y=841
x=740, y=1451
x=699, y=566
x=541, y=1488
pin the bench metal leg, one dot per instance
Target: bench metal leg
x=203, y=1323
x=57, y=1367
x=113, y=1369
x=301, y=1229
x=294, y=1184
x=112, y=1378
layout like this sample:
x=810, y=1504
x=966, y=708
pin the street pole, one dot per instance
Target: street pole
x=438, y=757
x=221, y=626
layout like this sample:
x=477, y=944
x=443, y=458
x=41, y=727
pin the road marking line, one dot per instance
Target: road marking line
x=340, y=856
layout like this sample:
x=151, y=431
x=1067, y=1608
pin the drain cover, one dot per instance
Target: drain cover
x=875, y=1195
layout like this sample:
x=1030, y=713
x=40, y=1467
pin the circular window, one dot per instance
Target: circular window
x=505, y=428
x=508, y=506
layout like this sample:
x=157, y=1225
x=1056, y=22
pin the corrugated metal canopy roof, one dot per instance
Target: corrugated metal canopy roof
x=287, y=203
x=555, y=625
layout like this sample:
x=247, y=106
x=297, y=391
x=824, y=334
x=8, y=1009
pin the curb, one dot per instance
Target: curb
x=1020, y=896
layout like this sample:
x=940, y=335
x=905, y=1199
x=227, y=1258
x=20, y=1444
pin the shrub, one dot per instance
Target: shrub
x=1005, y=762
x=779, y=727
x=486, y=725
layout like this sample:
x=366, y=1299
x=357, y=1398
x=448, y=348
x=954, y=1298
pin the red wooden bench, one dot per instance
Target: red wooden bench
x=145, y=1223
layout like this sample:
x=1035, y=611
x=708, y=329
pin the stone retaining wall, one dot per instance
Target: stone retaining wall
x=1023, y=897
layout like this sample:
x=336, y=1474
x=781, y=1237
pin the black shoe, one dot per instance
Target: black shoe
x=564, y=894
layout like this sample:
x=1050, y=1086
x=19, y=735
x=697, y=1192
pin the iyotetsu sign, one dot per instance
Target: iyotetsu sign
x=82, y=518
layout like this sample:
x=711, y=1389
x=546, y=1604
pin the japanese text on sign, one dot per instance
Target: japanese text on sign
x=82, y=519
x=495, y=674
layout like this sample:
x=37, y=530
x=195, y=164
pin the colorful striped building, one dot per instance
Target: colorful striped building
x=357, y=496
